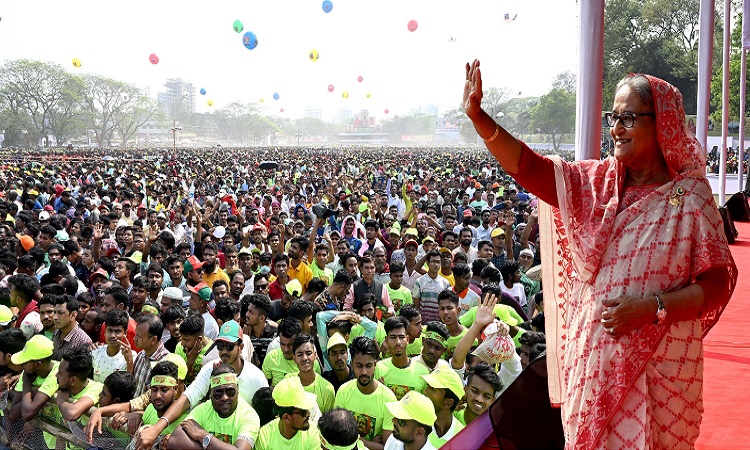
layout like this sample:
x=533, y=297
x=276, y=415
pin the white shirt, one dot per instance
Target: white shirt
x=104, y=364
x=249, y=381
x=517, y=292
x=452, y=431
x=509, y=371
x=210, y=327
x=394, y=444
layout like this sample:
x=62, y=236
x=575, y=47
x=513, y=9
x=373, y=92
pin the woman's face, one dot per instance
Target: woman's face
x=637, y=147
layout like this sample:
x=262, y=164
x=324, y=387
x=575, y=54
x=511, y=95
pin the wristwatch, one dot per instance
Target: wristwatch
x=206, y=441
x=661, y=312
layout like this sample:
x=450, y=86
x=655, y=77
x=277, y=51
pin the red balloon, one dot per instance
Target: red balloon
x=412, y=25
x=330, y=88
x=386, y=112
x=281, y=110
x=153, y=58
x=359, y=78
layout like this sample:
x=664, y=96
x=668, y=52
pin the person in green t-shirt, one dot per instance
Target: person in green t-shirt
x=47, y=315
x=434, y=338
x=193, y=344
x=338, y=430
x=280, y=361
x=414, y=330
x=76, y=393
x=366, y=397
x=322, y=251
x=445, y=389
x=400, y=295
x=225, y=421
x=291, y=430
x=165, y=388
x=305, y=356
x=448, y=311
x=398, y=372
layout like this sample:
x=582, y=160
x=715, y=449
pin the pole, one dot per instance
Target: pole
x=705, y=70
x=590, y=69
x=741, y=145
x=724, y=104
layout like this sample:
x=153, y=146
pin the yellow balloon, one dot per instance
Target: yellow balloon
x=210, y=103
x=262, y=100
x=76, y=63
x=369, y=95
x=345, y=94
x=314, y=55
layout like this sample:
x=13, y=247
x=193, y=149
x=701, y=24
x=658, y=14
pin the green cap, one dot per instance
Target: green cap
x=413, y=406
x=445, y=378
x=182, y=369
x=290, y=393
x=6, y=315
x=294, y=287
x=37, y=348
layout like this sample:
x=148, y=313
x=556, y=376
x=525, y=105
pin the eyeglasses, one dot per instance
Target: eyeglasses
x=627, y=119
x=401, y=422
x=220, y=346
x=260, y=287
x=302, y=413
x=219, y=393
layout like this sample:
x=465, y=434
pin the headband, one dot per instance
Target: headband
x=150, y=309
x=223, y=378
x=163, y=380
x=435, y=336
x=336, y=447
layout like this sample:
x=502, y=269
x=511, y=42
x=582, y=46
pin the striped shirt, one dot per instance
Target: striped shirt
x=426, y=289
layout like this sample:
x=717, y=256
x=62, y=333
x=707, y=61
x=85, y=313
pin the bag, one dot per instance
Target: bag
x=496, y=348
x=738, y=206
x=729, y=229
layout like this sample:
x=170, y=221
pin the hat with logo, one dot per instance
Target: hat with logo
x=230, y=331
x=191, y=264
x=37, y=348
x=413, y=406
x=445, y=378
x=294, y=287
x=290, y=393
x=98, y=273
x=202, y=290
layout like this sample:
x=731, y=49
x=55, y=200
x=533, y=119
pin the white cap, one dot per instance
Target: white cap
x=172, y=292
x=43, y=215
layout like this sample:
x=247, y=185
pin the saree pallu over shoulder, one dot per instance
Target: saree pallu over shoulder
x=627, y=391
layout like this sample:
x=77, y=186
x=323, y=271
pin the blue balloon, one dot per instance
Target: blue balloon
x=327, y=6
x=249, y=40
x=203, y=91
x=275, y=96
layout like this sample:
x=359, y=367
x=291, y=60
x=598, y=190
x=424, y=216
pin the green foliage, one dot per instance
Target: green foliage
x=555, y=114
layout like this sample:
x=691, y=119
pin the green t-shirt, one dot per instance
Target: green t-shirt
x=322, y=389
x=502, y=312
x=276, y=367
x=270, y=438
x=459, y=415
x=150, y=417
x=48, y=387
x=369, y=411
x=415, y=348
x=92, y=391
x=401, y=381
x=326, y=274
x=438, y=441
x=198, y=365
x=452, y=342
x=399, y=297
x=358, y=330
x=244, y=422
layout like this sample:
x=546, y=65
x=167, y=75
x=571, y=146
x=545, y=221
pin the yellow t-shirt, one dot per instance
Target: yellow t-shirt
x=270, y=438
x=401, y=381
x=369, y=411
x=276, y=367
x=244, y=422
x=322, y=389
x=302, y=273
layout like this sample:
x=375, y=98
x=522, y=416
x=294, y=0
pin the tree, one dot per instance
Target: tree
x=104, y=100
x=134, y=114
x=555, y=114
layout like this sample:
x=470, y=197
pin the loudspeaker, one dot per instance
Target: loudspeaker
x=729, y=229
x=738, y=206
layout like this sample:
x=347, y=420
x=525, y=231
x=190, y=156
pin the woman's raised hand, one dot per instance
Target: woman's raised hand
x=473, y=89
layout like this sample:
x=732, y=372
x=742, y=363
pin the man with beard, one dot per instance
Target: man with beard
x=200, y=296
x=413, y=418
x=256, y=319
x=399, y=372
x=338, y=355
x=236, y=285
x=76, y=394
x=291, y=429
x=466, y=238
x=47, y=314
x=525, y=261
x=297, y=269
x=155, y=276
x=176, y=279
x=193, y=345
x=368, y=285
x=165, y=387
x=230, y=346
x=226, y=421
x=280, y=267
x=483, y=230
x=382, y=268
x=138, y=296
x=348, y=236
x=342, y=249
x=434, y=342
x=211, y=269
x=366, y=397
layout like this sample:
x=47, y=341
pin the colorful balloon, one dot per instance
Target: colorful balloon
x=314, y=55
x=153, y=58
x=203, y=91
x=210, y=103
x=412, y=25
x=327, y=6
x=237, y=26
x=386, y=112
x=345, y=94
x=76, y=63
x=368, y=95
x=281, y=110
x=276, y=96
x=249, y=40
x=360, y=79
x=330, y=88
x=262, y=100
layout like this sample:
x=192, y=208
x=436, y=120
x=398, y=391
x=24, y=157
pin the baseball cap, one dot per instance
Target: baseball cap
x=192, y=263
x=62, y=236
x=230, y=331
x=413, y=406
x=411, y=242
x=467, y=213
x=428, y=239
x=245, y=251
x=202, y=290
x=336, y=339
x=48, y=208
x=173, y=293
x=180, y=363
x=395, y=231
x=27, y=242
x=6, y=315
x=294, y=287
x=497, y=232
x=289, y=393
x=412, y=232
x=445, y=378
x=445, y=250
x=43, y=216
x=37, y=348
x=99, y=272
x=161, y=216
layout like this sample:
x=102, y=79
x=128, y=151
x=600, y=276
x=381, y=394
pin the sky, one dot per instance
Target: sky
x=401, y=70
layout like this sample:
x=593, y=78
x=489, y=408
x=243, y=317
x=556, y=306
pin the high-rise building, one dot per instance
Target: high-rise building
x=178, y=101
x=314, y=112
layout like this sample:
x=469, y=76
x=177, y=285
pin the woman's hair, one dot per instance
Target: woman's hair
x=640, y=87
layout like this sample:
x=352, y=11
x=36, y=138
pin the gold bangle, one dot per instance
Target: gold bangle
x=494, y=136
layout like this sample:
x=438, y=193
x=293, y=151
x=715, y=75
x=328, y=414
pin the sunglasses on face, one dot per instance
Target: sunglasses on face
x=261, y=287
x=302, y=413
x=220, y=346
x=219, y=393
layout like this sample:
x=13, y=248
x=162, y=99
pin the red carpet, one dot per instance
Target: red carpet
x=726, y=388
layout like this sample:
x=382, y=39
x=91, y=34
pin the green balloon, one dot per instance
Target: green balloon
x=238, y=27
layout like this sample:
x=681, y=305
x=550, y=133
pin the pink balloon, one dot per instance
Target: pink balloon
x=153, y=58
x=281, y=110
x=386, y=112
x=330, y=88
x=412, y=25
x=359, y=78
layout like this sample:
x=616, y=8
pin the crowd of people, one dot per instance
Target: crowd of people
x=262, y=298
